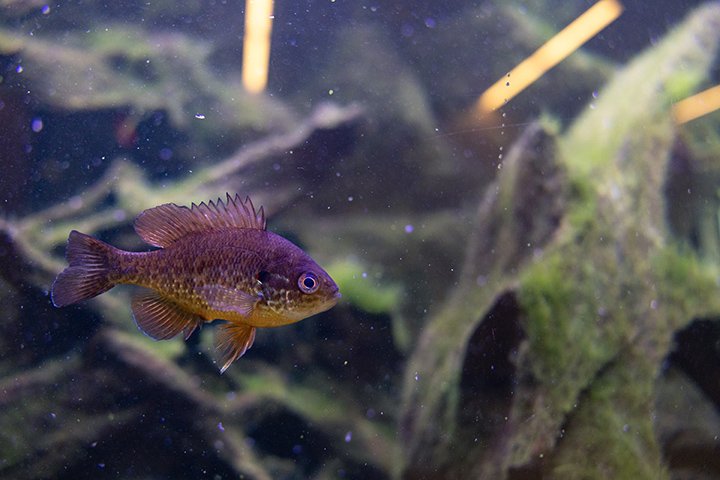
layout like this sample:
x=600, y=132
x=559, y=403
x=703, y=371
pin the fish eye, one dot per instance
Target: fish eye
x=263, y=276
x=308, y=283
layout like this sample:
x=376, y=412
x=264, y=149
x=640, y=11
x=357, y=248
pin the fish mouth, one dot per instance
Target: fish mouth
x=333, y=298
x=335, y=292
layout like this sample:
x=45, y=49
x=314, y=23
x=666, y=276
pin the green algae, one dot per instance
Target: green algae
x=571, y=322
x=601, y=302
x=610, y=434
x=689, y=285
x=648, y=86
x=364, y=287
x=601, y=323
x=120, y=66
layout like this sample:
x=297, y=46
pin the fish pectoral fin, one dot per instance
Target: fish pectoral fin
x=161, y=318
x=226, y=299
x=232, y=341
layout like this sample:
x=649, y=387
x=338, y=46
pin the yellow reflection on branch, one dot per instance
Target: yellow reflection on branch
x=256, y=44
x=696, y=106
x=550, y=54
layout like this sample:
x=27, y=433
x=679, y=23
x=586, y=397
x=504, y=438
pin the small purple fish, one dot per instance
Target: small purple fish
x=215, y=261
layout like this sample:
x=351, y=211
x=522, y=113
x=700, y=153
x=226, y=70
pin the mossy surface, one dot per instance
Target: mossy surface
x=610, y=433
x=364, y=288
x=600, y=303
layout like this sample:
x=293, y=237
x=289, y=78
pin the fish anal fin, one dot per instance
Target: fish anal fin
x=161, y=318
x=232, y=341
x=165, y=224
x=227, y=299
x=190, y=329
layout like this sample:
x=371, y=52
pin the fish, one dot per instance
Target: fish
x=214, y=261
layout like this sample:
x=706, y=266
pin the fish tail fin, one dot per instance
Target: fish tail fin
x=88, y=272
x=233, y=340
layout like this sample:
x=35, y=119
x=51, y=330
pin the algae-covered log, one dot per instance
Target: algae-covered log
x=580, y=328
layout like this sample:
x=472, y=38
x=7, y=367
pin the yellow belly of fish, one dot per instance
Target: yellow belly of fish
x=260, y=317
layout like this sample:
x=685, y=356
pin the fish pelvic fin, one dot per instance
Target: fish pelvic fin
x=161, y=318
x=233, y=340
x=87, y=273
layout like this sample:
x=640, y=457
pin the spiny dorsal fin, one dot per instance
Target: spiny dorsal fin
x=160, y=226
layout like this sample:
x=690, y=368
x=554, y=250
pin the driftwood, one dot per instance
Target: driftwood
x=542, y=361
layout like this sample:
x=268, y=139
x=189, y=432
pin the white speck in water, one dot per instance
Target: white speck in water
x=37, y=124
x=348, y=437
x=417, y=376
x=119, y=215
x=364, y=274
x=19, y=69
x=200, y=116
x=331, y=91
x=350, y=199
x=220, y=427
x=45, y=9
x=409, y=228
